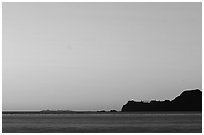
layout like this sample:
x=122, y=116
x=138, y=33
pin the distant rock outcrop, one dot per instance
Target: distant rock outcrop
x=113, y=111
x=190, y=100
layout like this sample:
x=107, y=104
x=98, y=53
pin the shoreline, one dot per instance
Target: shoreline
x=95, y=112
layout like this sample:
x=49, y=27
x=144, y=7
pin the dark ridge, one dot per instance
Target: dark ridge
x=190, y=100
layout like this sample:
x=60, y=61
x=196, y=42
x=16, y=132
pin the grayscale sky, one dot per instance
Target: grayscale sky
x=97, y=56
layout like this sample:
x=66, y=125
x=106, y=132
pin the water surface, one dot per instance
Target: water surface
x=103, y=123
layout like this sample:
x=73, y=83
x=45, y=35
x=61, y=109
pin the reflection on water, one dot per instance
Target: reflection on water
x=110, y=123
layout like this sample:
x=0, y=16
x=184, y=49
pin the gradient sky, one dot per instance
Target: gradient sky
x=97, y=56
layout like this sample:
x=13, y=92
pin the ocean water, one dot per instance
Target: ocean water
x=103, y=123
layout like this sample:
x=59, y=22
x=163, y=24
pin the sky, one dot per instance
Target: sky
x=97, y=56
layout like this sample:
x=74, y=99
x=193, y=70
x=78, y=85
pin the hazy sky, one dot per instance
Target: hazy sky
x=95, y=56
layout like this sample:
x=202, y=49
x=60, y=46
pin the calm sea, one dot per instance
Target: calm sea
x=103, y=123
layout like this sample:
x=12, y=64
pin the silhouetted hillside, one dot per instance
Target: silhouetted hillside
x=190, y=100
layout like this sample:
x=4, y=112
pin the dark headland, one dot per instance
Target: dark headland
x=189, y=100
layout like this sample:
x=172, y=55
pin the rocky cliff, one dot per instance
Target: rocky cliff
x=190, y=100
